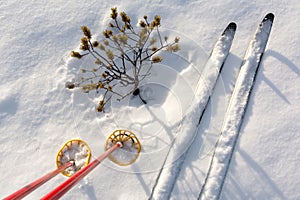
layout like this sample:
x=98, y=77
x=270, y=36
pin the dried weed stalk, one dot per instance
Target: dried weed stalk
x=124, y=57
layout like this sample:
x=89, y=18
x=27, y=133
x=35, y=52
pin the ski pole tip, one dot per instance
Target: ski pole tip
x=119, y=144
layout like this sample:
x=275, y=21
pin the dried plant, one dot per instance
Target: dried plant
x=123, y=58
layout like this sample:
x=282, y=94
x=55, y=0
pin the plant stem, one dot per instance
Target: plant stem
x=137, y=92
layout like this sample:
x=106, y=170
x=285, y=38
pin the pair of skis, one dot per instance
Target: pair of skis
x=235, y=113
x=212, y=186
x=167, y=175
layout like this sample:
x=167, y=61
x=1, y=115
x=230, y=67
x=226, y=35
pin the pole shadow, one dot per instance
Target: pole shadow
x=235, y=190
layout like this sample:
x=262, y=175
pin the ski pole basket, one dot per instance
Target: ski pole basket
x=116, y=141
x=73, y=150
x=129, y=152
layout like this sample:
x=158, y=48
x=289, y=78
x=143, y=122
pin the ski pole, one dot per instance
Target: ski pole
x=21, y=193
x=63, y=188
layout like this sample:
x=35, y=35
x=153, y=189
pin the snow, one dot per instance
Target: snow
x=38, y=115
x=235, y=114
x=75, y=151
x=206, y=84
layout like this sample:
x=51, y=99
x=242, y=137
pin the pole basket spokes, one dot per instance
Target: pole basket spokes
x=74, y=150
x=129, y=152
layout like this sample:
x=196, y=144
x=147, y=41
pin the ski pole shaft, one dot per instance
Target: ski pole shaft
x=21, y=193
x=63, y=188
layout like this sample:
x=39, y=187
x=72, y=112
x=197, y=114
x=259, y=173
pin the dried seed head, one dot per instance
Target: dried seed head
x=96, y=44
x=107, y=33
x=142, y=24
x=76, y=54
x=176, y=47
x=173, y=48
x=101, y=47
x=104, y=75
x=143, y=39
x=100, y=106
x=110, y=66
x=143, y=32
x=156, y=59
x=156, y=21
x=115, y=38
x=86, y=31
x=100, y=85
x=70, y=85
x=110, y=54
x=152, y=41
x=114, y=13
x=125, y=18
x=98, y=61
x=111, y=25
x=109, y=88
x=105, y=42
x=154, y=48
x=84, y=44
x=123, y=38
x=89, y=87
x=126, y=26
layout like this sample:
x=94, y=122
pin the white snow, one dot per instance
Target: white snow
x=37, y=114
x=235, y=114
x=76, y=151
x=206, y=84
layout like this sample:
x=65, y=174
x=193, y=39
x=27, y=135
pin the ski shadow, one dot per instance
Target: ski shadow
x=189, y=170
x=195, y=167
x=155, y=140
x=233, y=189
x=169, y=130
x=8, y=106
x=262, y=78
x=283, y=59
x=87, y=189
x=141, y=180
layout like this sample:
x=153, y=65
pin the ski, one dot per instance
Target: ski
x=235, y=113
x=167, y=176
x=225, y=39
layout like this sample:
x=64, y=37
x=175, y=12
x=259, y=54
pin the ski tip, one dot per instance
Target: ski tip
x=231, y=26
x=269, y=16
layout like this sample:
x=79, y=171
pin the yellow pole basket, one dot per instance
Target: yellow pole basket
x=75, y=150
x=130, y=150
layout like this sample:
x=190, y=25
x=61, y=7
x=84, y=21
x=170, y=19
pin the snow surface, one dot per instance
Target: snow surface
x=74, y=151
x=235, y=113
x=190, y=120
x=38, y=115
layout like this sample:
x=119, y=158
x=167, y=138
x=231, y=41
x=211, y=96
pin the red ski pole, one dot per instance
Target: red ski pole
x=63, y=188
x=21, y=193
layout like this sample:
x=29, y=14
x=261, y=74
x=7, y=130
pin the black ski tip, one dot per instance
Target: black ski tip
x=269, y=16
x=231, y=26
